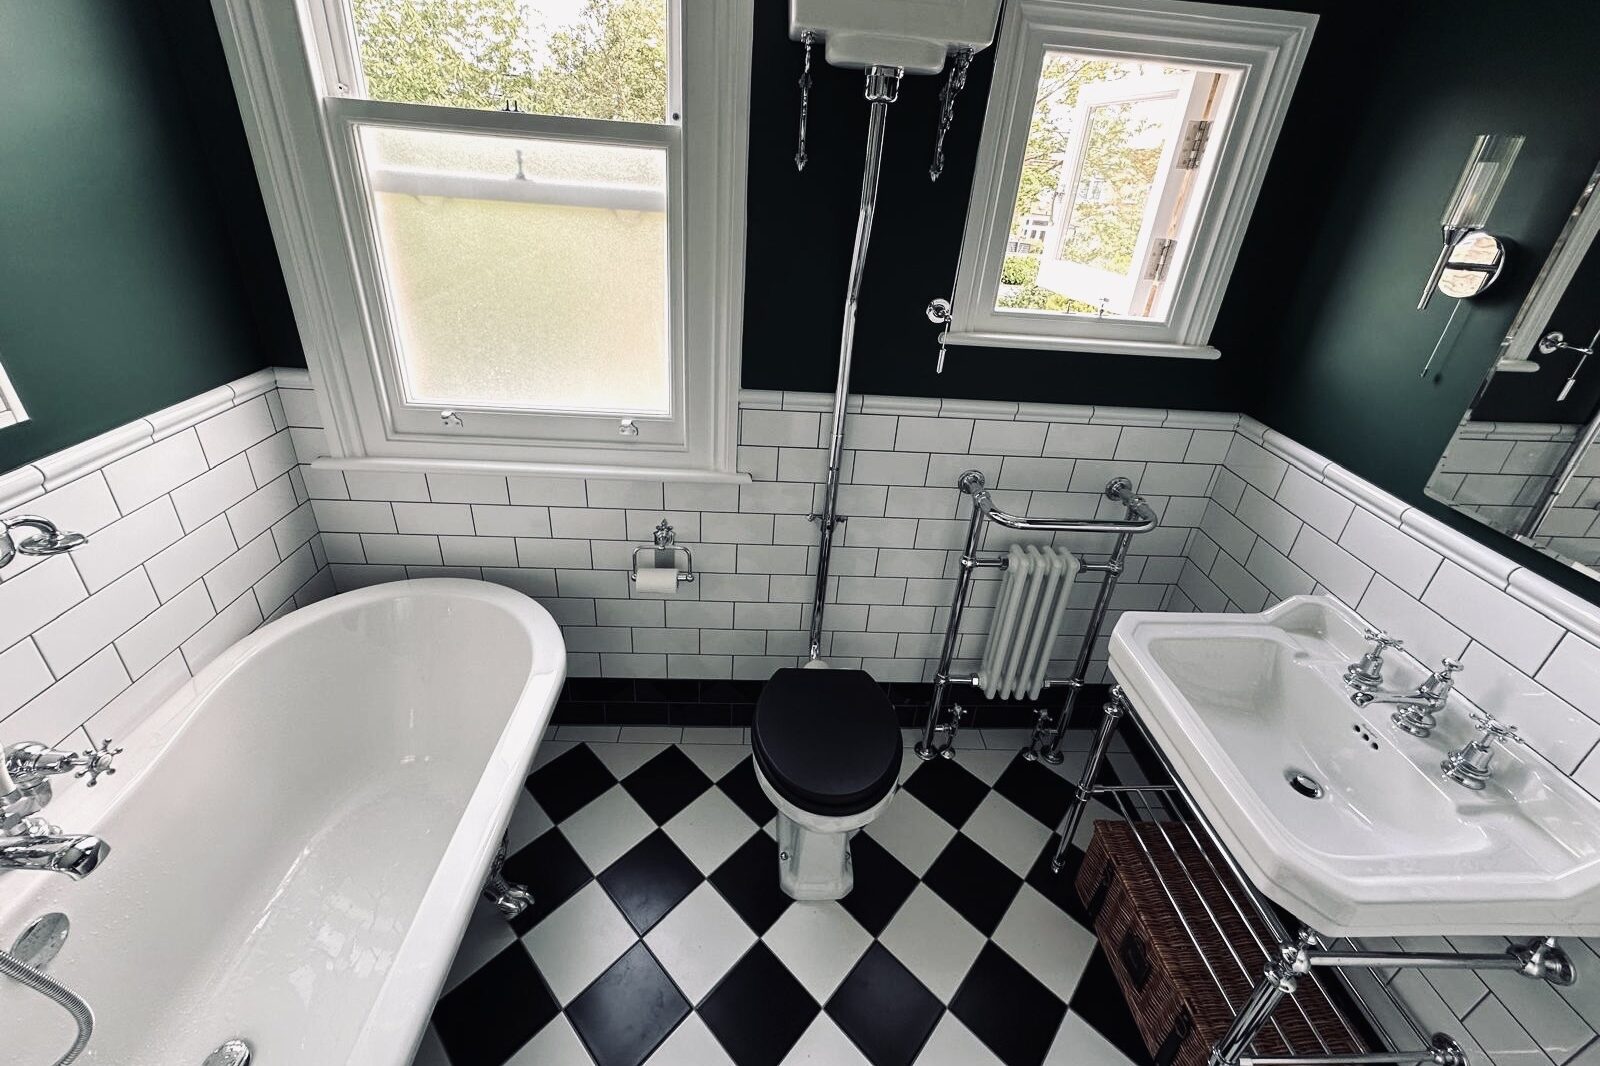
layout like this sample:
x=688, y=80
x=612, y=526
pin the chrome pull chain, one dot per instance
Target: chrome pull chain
x=955, y=81
x=800, y=157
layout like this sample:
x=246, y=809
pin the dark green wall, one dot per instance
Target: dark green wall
x=132, y=237
x=802, y=225
x=1337, y=366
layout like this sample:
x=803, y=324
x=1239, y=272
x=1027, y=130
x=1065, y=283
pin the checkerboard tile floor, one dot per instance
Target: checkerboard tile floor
x=659, y=934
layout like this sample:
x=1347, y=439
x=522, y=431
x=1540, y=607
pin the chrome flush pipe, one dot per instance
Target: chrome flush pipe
x=882, y=89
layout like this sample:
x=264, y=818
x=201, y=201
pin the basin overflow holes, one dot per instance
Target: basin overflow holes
x=1361, y=731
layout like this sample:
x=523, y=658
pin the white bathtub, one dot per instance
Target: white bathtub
x=297, y=836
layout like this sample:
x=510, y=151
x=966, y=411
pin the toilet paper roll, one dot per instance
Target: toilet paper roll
x=657, y=579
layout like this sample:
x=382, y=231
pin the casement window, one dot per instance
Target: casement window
x=11, y=411
x=513, y=229
x=1122, y=152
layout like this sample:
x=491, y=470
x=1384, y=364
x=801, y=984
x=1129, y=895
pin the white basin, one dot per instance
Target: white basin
x=1239, y=703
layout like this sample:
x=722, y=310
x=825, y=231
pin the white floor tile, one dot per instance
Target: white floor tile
x=556, y=1045
x=823, y=1044
x=431, y=1052
x=1047, y=943
x=986, y=765
x=934, y=941
x=593, y=733
x=576, y=943
x=819, y=943
x=1012, y=740
x=1097, y=812
x=710, y=829
x=952, y=1044
x=700, y=941
x=1007, y=832
x=716, y=759
x=487, y=935
x=909, y=761
x=604, y=830
x=549, y=749
x=624, y=759
x=691, y=1044
x=708, y=734
x=1079, y=1044
x=911, y=832
x=528, y=823
x=651, y=734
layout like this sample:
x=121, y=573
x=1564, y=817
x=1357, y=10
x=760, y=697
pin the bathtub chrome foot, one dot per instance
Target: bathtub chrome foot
x=510, y=899
x=233, y=1053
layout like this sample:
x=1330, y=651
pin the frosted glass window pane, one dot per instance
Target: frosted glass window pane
x=584, y=58
x=524, y=273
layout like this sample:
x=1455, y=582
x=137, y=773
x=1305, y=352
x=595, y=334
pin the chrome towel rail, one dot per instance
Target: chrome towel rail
x=1046, y=740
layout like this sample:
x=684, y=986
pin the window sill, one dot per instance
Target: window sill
x=510, y=469
x=1101, y=345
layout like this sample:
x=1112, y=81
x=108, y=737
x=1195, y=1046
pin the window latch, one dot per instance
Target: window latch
x=627, y=427
x=450, y=418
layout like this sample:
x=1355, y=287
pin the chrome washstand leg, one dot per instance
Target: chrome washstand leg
x=1279, y=979
x=509, y=899
x=1113, y=712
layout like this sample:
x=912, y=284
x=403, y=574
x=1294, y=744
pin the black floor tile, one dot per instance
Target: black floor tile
x=650, y=880
x=1008, y=1009
x=1098, y=1001
x=1037, y=789
x=975, y=883
x=628, y=1010
x=882, y=884
x=742, y=787
x=948, y=788
x=1061, y=888
x=666, y=784
x=488, y=1017
x=748, y=880
x=569, y=781
x=759, y=1010
x=552, y=872
x=883, y=1008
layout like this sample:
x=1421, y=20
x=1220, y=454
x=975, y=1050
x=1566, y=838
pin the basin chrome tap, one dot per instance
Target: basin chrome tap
x=28, y=842
x=1469, y=765
x=1366, y=675
x=1416, y=712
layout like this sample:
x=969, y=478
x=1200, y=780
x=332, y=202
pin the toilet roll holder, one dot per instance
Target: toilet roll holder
x=665, y=551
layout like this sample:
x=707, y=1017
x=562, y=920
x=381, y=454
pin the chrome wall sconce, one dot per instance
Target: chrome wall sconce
x=1472, y=259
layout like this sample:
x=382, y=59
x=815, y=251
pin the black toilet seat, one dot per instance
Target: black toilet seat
x=827, y=741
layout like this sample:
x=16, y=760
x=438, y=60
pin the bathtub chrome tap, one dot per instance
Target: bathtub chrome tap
x=28, y=842
x=47, y=538
x=1416, y=712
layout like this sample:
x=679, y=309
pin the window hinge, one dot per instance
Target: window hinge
x=1160, y=258
x=1194, y=144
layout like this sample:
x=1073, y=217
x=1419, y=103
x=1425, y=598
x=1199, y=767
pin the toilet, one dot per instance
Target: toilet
x=827, y=752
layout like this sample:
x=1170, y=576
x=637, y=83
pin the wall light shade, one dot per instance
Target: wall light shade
x=1481, y=181
x=1467, y=212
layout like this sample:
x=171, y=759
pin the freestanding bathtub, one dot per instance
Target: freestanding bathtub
x=297, y=836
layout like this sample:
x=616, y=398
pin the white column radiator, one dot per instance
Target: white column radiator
x=1027, y=618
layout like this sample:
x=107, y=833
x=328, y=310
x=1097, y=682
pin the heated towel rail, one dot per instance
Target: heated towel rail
x=938, y=736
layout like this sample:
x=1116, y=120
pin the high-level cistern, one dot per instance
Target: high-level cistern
x=27, y=840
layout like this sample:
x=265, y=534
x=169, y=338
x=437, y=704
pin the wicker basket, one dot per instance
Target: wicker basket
x=1171, y=988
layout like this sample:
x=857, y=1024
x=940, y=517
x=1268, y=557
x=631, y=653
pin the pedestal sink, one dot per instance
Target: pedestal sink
x=1332, y=812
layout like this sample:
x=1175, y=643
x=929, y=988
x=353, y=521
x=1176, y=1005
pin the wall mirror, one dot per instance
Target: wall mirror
x=1526, y=457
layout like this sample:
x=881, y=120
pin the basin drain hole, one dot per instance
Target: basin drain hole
x=1303, y=783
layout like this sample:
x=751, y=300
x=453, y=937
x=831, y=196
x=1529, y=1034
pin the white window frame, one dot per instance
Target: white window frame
x=11, y=409
x=302, y=109
x=1265, y=48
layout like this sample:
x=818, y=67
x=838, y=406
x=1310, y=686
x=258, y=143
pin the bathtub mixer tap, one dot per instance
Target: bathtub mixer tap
x=47, y=538
x=28, y=841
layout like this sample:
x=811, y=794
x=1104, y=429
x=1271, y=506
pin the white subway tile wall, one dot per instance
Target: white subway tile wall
x=570, y=543
x=210, y=520
x=197, y=534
